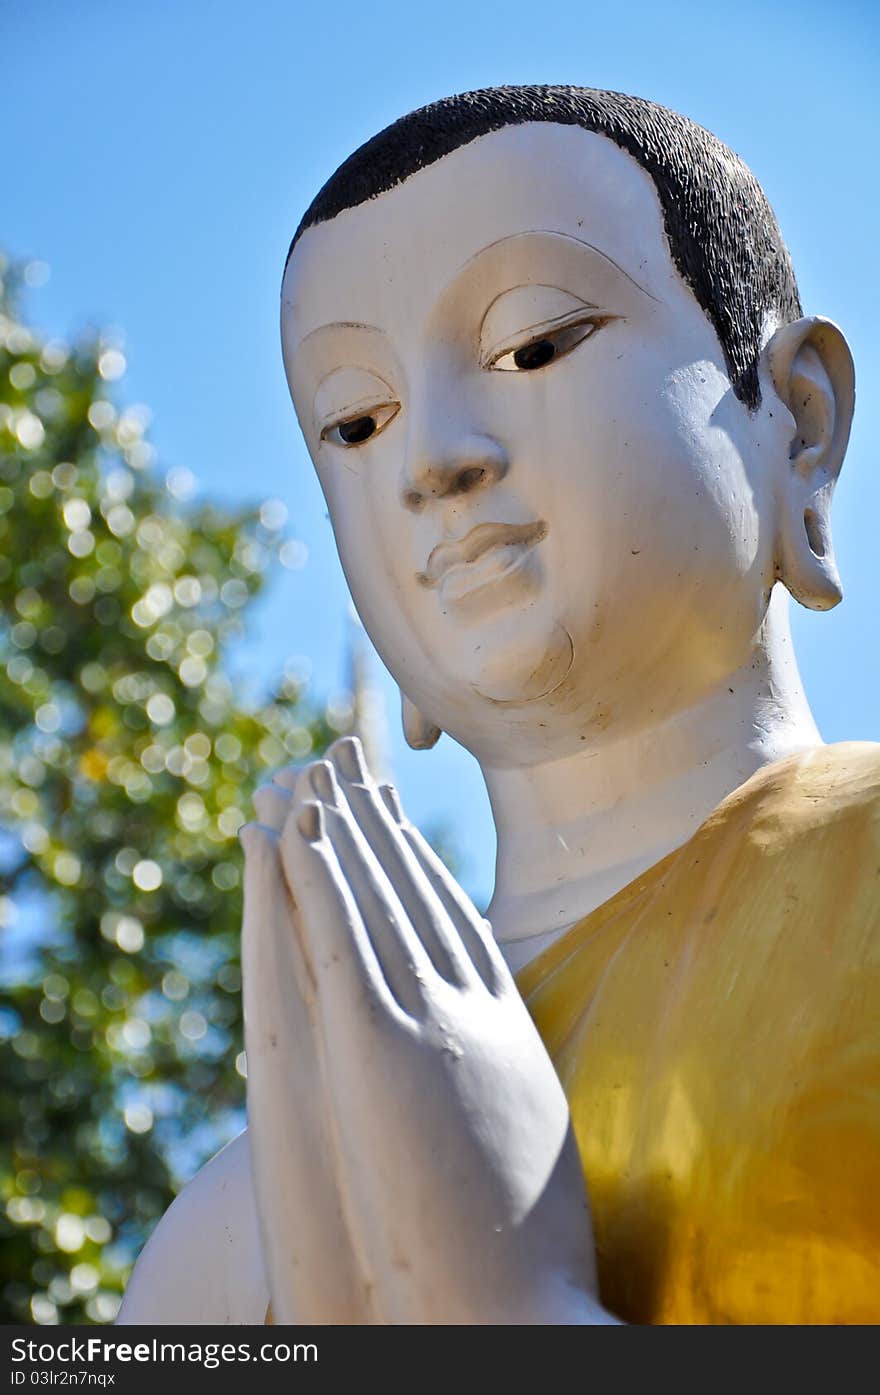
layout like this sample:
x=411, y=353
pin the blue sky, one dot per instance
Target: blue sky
x=159, y=156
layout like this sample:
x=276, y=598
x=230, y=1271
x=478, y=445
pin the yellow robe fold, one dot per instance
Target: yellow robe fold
x=716, y=1026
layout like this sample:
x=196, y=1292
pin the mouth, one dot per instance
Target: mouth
x=500, y=547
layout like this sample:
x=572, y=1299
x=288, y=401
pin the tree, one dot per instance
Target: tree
x=126, y=769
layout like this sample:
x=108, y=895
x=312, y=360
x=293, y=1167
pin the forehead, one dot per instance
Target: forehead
x=396, y=254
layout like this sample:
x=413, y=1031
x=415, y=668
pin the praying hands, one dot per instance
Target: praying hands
x=413, y=1152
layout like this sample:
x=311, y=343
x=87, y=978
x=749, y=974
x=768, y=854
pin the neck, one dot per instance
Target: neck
x=573, y=831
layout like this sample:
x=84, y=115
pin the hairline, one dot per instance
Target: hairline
x=307, y=227
x=719, y=228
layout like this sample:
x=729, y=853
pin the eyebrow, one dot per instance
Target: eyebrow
x=567, y=237
x=337, y=325
x=483, y=251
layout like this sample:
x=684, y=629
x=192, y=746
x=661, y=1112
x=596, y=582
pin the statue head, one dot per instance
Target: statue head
x=547, y=352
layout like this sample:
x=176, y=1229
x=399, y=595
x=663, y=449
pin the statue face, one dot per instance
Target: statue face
x=555, y=517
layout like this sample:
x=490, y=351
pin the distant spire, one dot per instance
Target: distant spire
x=367, y=704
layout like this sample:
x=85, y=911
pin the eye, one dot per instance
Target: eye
x=356, y=430
x=545, y=347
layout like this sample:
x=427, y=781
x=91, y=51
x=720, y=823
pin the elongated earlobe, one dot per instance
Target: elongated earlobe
x=812, y=372
x=419, y=732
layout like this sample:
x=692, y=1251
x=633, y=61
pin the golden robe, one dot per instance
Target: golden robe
x=716, y=1027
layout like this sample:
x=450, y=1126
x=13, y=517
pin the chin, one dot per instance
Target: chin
x=519, y=662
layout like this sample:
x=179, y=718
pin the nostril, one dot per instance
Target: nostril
x=470, y=479
x=442, y=471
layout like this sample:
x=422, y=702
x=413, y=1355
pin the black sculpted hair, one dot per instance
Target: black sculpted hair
x=722, y=233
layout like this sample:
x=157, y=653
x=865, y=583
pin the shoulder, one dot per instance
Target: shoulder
x=818, y=797
x=203, y=1261
x=790, y=862
x=789, y=884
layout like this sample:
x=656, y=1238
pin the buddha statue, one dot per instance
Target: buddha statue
x=578, y=444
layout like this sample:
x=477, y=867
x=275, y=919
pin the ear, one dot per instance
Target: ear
x=812, y=371
x=419, y=732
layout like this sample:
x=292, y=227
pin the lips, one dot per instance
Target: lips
x=449, y=555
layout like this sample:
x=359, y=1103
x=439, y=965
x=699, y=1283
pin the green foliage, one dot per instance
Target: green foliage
x=126, y=768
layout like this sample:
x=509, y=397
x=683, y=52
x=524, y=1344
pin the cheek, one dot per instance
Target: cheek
x=368, y=543
x=375, y=557
x=657, y=453
x=713, y=470
x=652, y=505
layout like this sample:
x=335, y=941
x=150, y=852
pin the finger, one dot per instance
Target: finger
x=474, y=930
x=405, y=963
x=272, y=803
x=267, y=900
x=391, y=800
x=303, y=787
x=351, y=984
x=287, y=776
x=421, y=905
x=310, y=1265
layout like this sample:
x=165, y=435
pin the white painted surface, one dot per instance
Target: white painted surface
x=203, y=1262
x=570, y=570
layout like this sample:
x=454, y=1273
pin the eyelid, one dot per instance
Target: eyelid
x=361, y=408
x=586, y=314
x=347, y=390
x=526, y=310
x=383, y=412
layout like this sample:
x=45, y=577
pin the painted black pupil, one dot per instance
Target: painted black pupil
x=535, y=355
x=357, y=430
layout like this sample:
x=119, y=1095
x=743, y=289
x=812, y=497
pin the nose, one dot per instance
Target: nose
x=452, y=468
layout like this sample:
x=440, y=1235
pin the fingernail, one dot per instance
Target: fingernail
x=323, y=781
x=392, y=802
x=349, y=758
x=310, y=821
